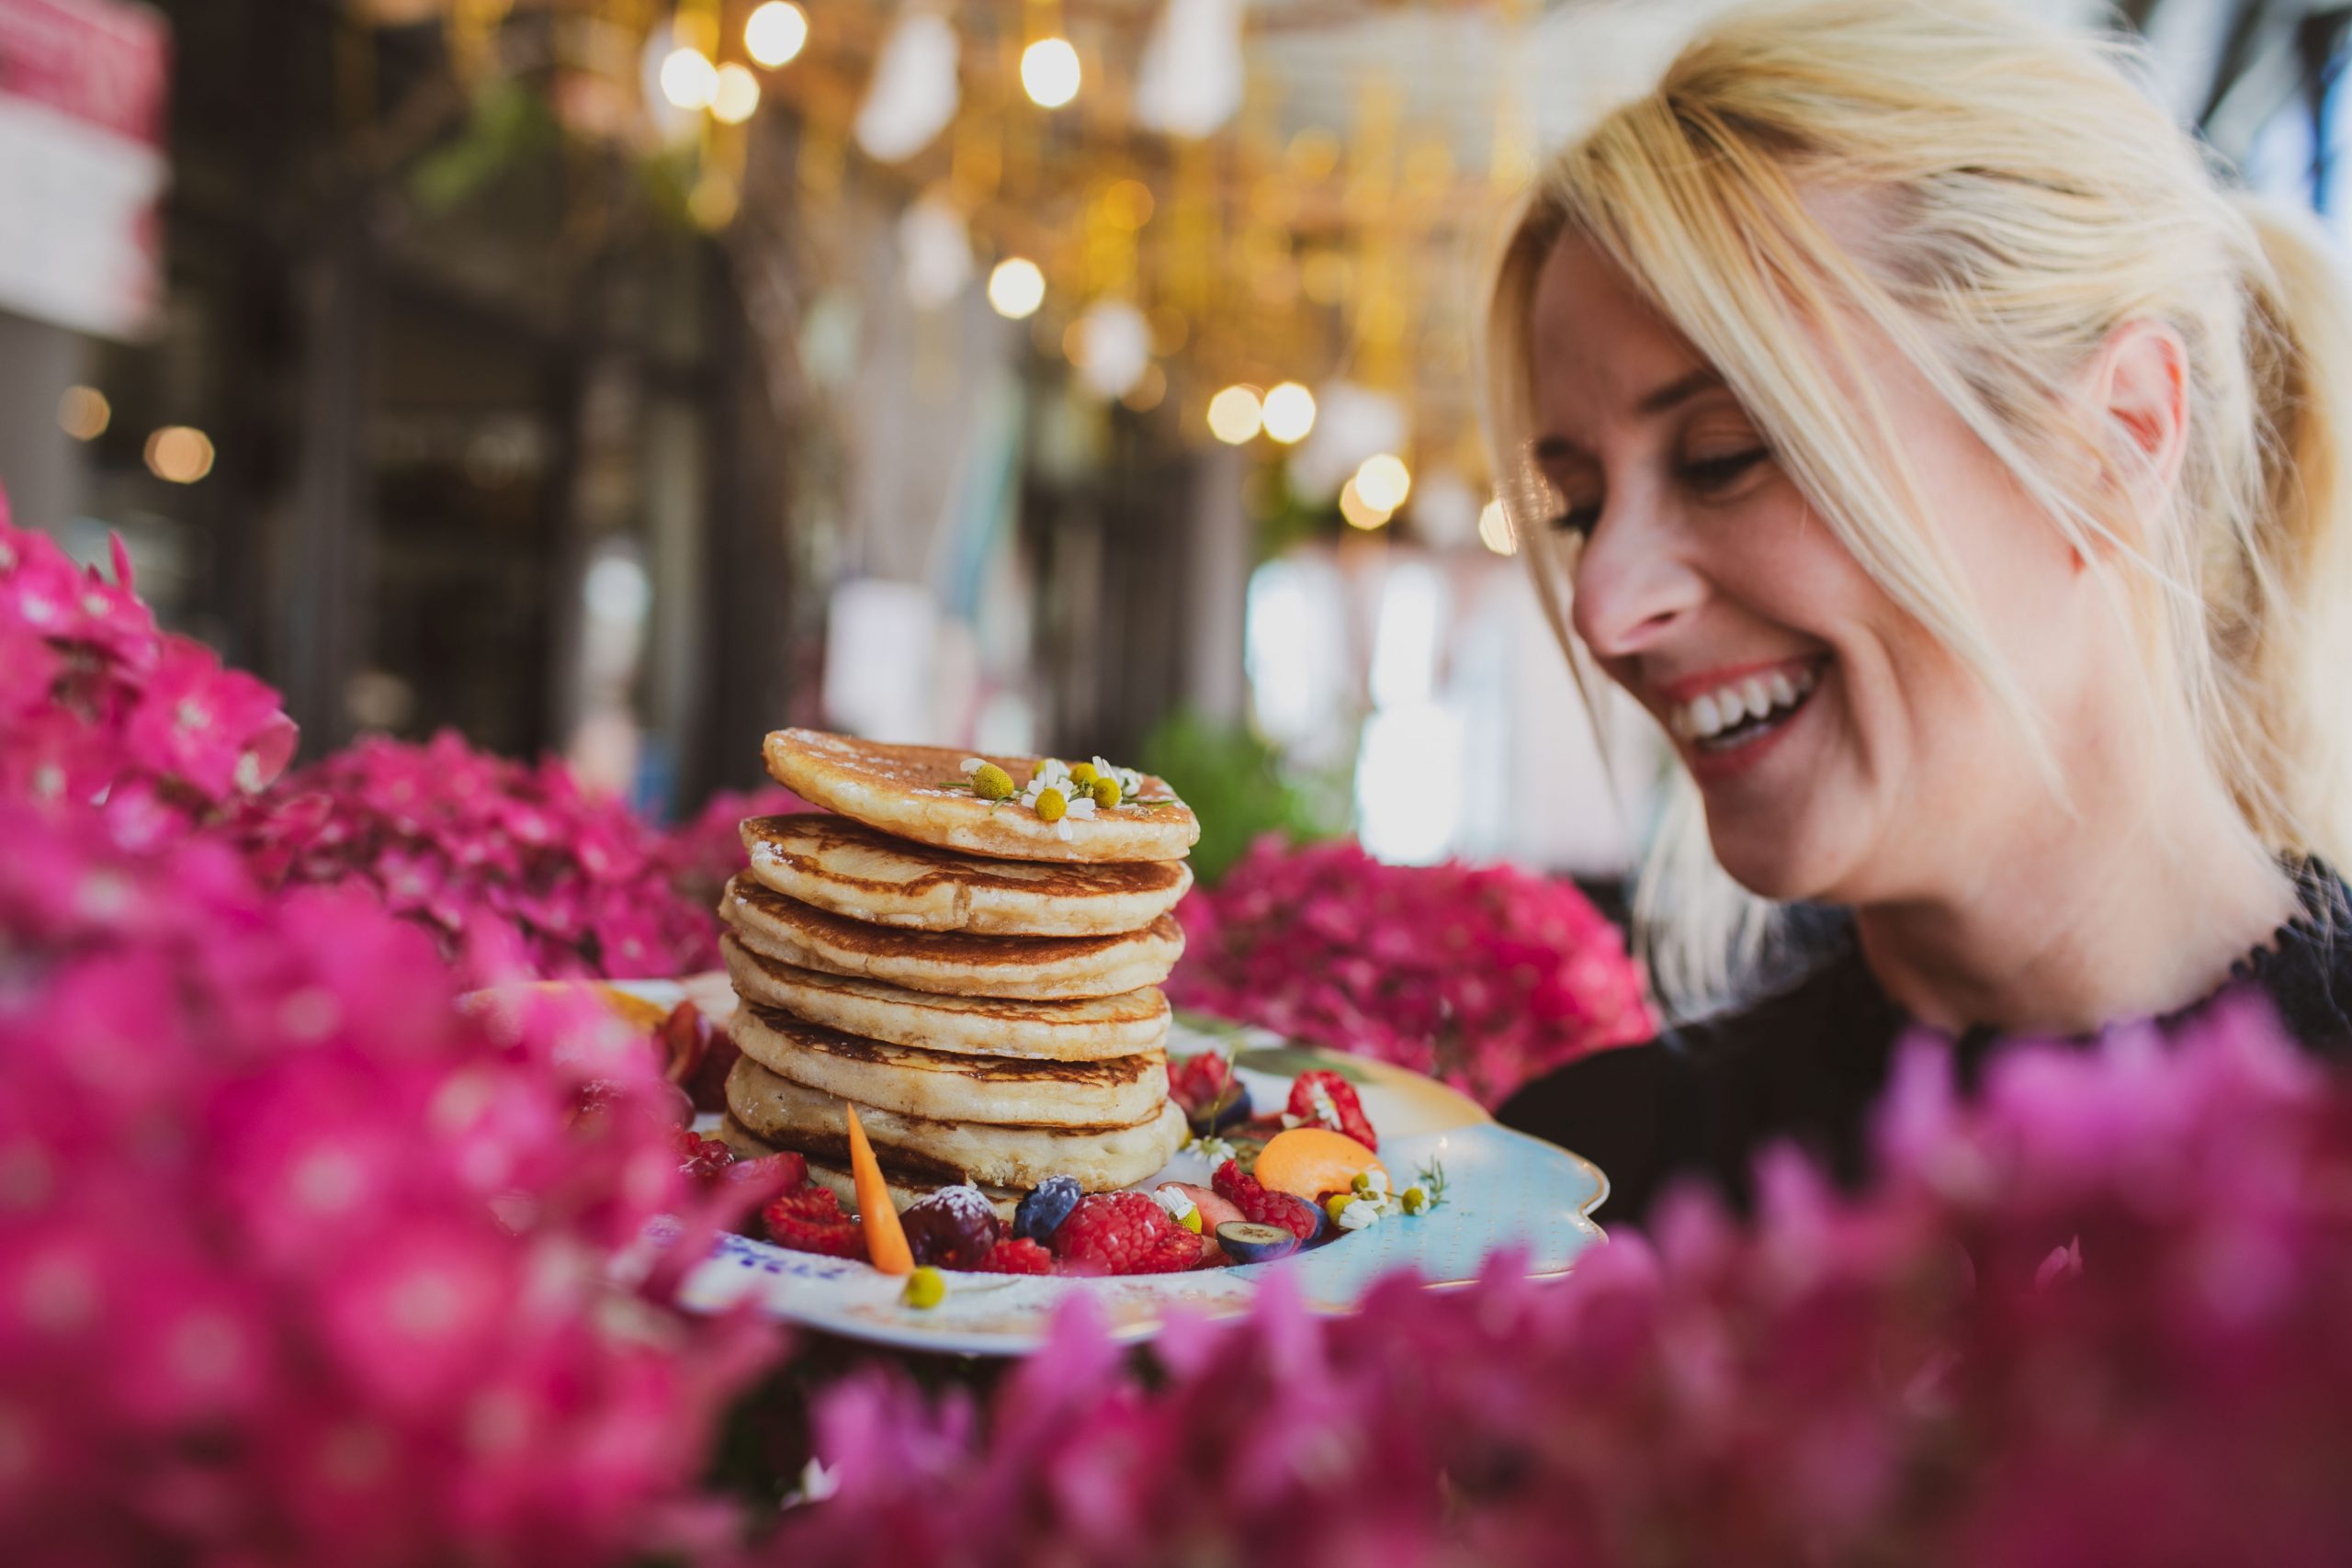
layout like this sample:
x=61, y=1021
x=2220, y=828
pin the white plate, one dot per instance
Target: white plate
x=1504, y=1190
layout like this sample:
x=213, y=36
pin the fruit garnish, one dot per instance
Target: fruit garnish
x=1213, y=1098
x=1043, y=1211
x=810, y=1219
x=953, y=1229
x=1323, y=1099
x=1180, y=1206
x=886, y=1242
x=1244, y=1192
x=926, y=1288
x=1018, y=1256
x=705, y=1159
x=1124, y=1233
x=1246, y=1241
x=1308, y=1162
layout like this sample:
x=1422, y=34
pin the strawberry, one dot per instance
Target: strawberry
x=1347, y=1110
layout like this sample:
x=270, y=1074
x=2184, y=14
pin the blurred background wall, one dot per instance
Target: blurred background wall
x=626, y=378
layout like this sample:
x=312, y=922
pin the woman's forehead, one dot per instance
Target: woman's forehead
x=1600, y=352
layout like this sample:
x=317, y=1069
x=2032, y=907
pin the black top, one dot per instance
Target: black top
x=1807, y=1064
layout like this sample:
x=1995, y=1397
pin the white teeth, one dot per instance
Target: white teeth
x=1706, y=717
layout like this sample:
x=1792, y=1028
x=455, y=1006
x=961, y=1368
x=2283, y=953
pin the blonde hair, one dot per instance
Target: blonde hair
x=2027, y=198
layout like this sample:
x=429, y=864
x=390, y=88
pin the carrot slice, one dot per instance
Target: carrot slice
x=885, y=1239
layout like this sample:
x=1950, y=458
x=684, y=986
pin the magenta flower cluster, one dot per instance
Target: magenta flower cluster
x=98, y=707
x=503, y=862
x=1483, y=976
x=300, y=1263
x=2095, y=1317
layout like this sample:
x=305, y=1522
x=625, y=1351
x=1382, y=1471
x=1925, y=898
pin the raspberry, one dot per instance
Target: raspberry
x=1124, y=1233
x=1198, y=1081
x=705, y=1159
x=1342, y=1095
x=810, y=1219
x=1019, y=1256
x=1244, y=1192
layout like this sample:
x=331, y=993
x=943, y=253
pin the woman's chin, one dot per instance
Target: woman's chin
x=1780, y=867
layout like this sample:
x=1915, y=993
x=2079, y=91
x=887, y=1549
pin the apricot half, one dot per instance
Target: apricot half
x=1308, y=1162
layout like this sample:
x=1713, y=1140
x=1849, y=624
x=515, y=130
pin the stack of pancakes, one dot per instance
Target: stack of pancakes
x=982, y=984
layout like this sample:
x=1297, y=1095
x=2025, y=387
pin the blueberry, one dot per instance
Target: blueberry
x=1042, y=1212
x=1229, y=1109
x=1246, y=1241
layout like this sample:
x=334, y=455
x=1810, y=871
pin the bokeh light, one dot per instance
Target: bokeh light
x=179, y=453
x=689, y=80
x=1289, y=412
x=1360, y=512
x=1017, y=287
x=777, y=33
x=1495, y=530
x=84, y=412
x=1382, y=481
x=1049, y=73
x=738, y=95
x=1235, y=416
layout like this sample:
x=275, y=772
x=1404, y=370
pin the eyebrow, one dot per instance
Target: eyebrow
x=1681, y=389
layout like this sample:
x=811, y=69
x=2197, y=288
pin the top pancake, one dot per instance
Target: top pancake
x=851, y=869
x=918, y=792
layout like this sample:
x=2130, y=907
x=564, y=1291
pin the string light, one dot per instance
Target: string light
x=1495, y=531
x=1235, y=416
x=1360, y=512
x=777, y=33
x=1383, y=482
x=1017, y=287
x=83, y=413
x=180, y=454
x=1289, y=412
x=689, y=80
x=1049, y=73
x=737, y=95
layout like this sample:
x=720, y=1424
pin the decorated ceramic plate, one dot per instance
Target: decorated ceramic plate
x=1503, y=1191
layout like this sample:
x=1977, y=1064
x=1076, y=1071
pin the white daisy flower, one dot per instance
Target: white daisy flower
x=973, y=765
x=1359, y=1215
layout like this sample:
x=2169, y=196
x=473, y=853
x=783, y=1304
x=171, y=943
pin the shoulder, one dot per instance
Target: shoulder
x=1698, y=1100
x=2305, y=970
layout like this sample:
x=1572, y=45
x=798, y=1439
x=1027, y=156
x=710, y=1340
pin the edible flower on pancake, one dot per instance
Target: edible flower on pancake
x=1055, y=797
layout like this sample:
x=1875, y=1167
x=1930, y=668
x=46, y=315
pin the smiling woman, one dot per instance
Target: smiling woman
x=1906, y=417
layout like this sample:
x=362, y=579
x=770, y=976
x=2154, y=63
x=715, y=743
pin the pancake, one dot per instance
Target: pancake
x=951, y=962
x=850, y=869
x=941, y=1087
x=1088, y=1030
x=779, y=1112
x=1004, y=1200
x=918, y=792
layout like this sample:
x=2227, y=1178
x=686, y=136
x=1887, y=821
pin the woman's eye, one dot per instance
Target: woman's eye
x=1577, y=520
x=1715, y=473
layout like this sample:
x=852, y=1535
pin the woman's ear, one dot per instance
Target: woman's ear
x=2139, y=392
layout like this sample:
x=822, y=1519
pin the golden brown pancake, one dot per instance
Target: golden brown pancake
x=849, y=869
x=919, y=793
x=951, y=962
x=1085, y=1030
x=912, y=1150
x=940, y=1086
x=731, y=1133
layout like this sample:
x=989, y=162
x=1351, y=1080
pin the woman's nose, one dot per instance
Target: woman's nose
x=1631, y=587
